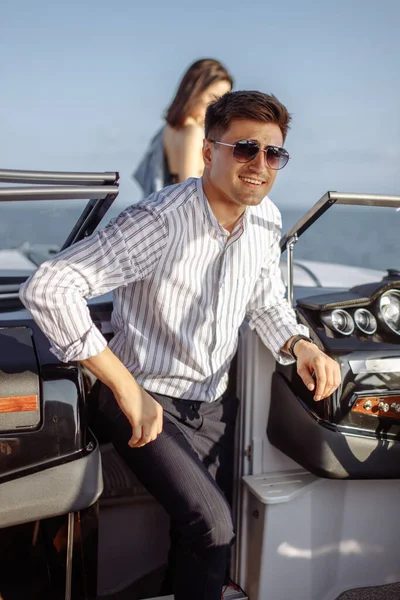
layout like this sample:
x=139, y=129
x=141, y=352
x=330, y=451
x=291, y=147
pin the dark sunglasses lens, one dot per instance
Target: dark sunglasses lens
x=277, y=158
x=245, y=151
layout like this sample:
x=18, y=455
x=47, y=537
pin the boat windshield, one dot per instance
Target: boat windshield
x=361, y=236
x=41, y=224
x=43, y=211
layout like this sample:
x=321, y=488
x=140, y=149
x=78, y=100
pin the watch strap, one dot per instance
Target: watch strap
x=294, y=341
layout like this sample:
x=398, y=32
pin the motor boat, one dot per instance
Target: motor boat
x=316, y=485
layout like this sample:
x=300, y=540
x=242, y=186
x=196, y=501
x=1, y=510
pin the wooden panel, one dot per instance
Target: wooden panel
x=11, y=404
x=369, y=405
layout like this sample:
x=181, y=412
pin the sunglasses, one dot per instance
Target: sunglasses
x=246, y=150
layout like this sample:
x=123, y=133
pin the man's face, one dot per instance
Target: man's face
x=240, y=184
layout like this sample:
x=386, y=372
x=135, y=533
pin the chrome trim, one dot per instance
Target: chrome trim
x=394, y=292
x=331, y=198
x=308, y=219
x=290, y=251
x=375, y=365
x=58, y=177
x=365, y=199
x=328, y=320
x=369, y=313
x=70, y=192
x=70, y=545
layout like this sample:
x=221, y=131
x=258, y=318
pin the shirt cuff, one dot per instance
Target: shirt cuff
x=275, y=343
x=91, y=344
x=286, y=359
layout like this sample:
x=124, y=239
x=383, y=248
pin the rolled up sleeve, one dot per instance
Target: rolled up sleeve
x=56, y=294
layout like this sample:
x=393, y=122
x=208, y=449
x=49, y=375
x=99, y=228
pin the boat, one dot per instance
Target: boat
x=316, y=485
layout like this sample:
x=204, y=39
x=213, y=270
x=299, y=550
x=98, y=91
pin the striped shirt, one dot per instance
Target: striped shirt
x=182, y=288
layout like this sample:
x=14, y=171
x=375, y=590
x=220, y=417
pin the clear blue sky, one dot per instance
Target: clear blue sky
x=84, y=83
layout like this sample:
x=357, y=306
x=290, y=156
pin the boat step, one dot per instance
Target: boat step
x=230, y=593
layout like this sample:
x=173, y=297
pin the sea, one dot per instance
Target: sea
x=360, y=236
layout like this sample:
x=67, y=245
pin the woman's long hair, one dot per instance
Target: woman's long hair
x=199, y=76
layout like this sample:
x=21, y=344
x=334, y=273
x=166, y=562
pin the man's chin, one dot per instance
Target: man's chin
x=251, y=199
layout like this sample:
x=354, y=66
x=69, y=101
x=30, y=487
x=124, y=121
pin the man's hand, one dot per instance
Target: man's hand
x=310, y=360
x=143, y=413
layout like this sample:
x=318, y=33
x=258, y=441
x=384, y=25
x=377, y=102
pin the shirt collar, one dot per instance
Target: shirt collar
x=211, y=219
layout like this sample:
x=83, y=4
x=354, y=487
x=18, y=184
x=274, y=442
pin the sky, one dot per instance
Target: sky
x=84, y=84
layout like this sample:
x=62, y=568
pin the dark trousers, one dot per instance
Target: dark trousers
x=189, y=470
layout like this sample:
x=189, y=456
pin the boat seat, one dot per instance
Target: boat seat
x=118, y=479
x=390, y=591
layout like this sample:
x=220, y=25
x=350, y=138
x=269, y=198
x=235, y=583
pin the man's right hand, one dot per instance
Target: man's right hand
x=143, y=413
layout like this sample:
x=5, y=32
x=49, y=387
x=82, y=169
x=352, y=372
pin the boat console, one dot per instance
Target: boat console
x=355, y=433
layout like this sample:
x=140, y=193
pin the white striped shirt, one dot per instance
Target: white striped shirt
x=182, y=288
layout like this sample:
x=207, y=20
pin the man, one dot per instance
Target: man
x=187, y=264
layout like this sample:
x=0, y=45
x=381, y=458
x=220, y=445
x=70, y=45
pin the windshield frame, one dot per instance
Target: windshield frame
x=328, y=200
x=100, y=189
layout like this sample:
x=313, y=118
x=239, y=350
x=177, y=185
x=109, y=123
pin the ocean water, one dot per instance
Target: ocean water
x=363, y=236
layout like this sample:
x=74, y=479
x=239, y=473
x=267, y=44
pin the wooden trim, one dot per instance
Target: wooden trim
x=12, y=404
x=372, y=402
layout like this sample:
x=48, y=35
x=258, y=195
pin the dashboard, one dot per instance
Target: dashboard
x=350, y=433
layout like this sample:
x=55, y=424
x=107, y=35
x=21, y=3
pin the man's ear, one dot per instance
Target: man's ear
x=207, y=153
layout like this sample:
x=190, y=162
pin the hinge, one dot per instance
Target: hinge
x=248, y=452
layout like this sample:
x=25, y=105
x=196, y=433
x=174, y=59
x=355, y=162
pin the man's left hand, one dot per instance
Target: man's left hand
x=311, y=360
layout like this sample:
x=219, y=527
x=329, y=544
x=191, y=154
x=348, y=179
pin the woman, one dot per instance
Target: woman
x=175, y=151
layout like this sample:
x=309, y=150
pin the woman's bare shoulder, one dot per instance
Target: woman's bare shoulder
x=189, y=131
x=192, y=129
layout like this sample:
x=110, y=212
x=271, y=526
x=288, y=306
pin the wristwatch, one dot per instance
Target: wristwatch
x=294, y=341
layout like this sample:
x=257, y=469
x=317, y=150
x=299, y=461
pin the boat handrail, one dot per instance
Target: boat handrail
x=58, y=177
x=77, y=192
x=290, y=238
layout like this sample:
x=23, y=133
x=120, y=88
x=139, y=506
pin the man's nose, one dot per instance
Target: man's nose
x=259, y=161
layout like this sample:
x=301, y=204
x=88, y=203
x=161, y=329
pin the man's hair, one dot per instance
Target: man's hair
x=251, y=105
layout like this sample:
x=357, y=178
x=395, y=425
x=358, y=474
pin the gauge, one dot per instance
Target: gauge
x=389, y=305
x=365, y=321
x=339, y=320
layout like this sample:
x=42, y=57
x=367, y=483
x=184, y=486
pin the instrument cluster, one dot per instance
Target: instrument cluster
x=382, y=316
